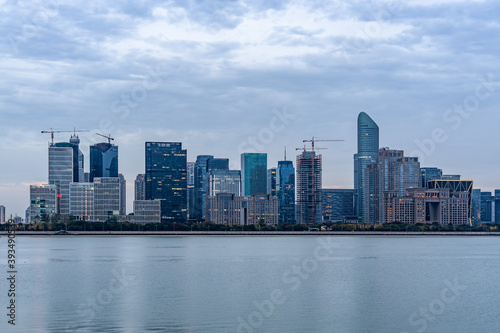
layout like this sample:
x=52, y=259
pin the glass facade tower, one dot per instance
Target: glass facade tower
x=285, y=189
x=368, y=145
x=103, y=160
x=253, y=173
x=166, y=178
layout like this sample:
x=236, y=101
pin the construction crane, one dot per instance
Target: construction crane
x=107, y=137
x=313, y=167
x=52, y=133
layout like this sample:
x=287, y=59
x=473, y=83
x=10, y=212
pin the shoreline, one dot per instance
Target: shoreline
x=257, y=233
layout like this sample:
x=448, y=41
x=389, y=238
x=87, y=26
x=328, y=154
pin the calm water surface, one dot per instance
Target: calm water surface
x=255, y=284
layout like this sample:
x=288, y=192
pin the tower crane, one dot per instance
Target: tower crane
x=107, y=137
x=313, y=167
x=52, y=133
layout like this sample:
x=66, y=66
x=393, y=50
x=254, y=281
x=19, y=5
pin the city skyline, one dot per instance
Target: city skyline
x=226, y=79
x=130, y=183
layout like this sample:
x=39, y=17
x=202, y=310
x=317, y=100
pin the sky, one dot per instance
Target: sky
x=226, y=77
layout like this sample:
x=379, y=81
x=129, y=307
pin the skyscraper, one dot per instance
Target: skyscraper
x=2, y=214
x=123, y=195
x=61, y=172
x=78, y=162
x=253, y=173
x=140, y=187
x=337, y=204
x=107, y=198
x=368, y=145
x=285, y=190
x=81, y=202
x=430, y=174
x=166, y=174
x=224, y=181
x=476, y=207
x=103, y=160
x=309, y=178
x=393, y=174
x=200, y=187
x=487, y=201
x=271, y=181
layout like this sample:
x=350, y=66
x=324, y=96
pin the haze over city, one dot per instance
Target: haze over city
x=213, y=75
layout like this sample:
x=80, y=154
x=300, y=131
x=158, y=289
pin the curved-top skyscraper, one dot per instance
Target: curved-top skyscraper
x=368, y=145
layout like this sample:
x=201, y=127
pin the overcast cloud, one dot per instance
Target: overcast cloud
x=214, y=73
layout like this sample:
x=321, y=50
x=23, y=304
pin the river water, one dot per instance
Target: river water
x=254, y=284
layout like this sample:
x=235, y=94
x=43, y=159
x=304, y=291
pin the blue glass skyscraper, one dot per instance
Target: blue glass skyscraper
x=103, y=161
x=253, y=173
x=285, y=188
x=166, y=178
x=368, y=145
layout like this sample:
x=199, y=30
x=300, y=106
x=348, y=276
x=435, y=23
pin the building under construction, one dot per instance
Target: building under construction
x=309, y=187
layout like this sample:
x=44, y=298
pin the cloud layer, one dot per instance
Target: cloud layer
x=213, y=74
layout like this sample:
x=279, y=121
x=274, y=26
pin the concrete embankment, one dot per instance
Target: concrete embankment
x=253, y=233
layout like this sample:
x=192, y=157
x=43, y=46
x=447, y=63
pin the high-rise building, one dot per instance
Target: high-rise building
x=81, y=202
x=429, y=174
x=420, y=205
x=43, y=201
x=285, y=190
x=27, y=214
x=393, y=174
x=166, y=174
x=200, y=187
x=215, y=164
x=123, y=195
x=309, y=178
x=271, y=181
x=397, y=174
x=338, y=204
x=224, y=181
x=229, y=209
x=78, y=161
x=226, y=209
x=368, y=145
x=487, y=207
x=103, y=160
x=147, y=211
x=458, y=189
x=140, y=187
x=2, y=214
x=107, y=198
x=496, y=207
x=261, y=208
x=476, y=207
x=61, y=172
x=190, y=172
x=253, y=173
x=190, y=189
